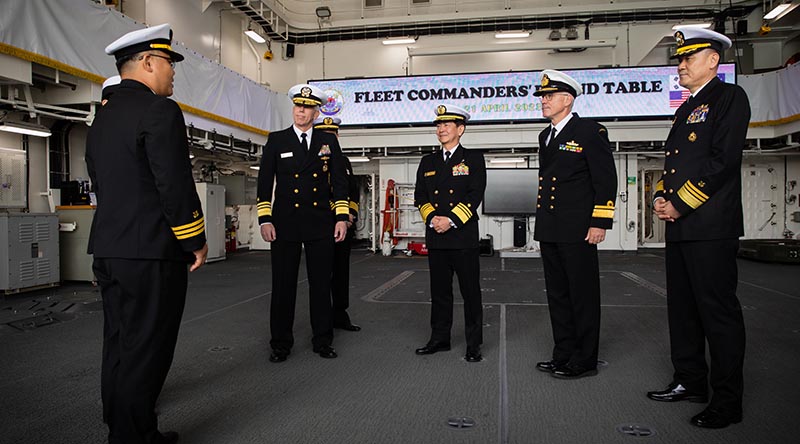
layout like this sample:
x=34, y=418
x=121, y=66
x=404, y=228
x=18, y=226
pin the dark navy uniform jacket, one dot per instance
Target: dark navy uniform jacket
x=577, y=182
x=308, y=185
x=453, y=190
x=702, y=168
x=138, y=159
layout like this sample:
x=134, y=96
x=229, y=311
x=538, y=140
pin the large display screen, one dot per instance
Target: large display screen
x=511, y=191
x=612, y=93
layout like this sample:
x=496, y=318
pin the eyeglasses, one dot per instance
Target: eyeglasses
x=550, y=96
x=169, y=60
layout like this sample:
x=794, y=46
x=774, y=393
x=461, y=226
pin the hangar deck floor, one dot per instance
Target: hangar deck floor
x=222, y=389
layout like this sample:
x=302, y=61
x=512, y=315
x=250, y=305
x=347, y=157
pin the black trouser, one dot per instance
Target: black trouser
x=143, y=303
x=466, y=264
x=702, y=305
x=285, y=268
x=340, y=282
x=572, y=280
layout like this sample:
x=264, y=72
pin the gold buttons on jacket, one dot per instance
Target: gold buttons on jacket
x=538, y=206
x=451, y=204
x=551, y=207
x=296, y=191
x=315, y=190
x=541, y=178
x=315, y=204
x=451, y=191
x=436, y=192
x=540, y=187
x=436, y=205
x=665, y=171
x=552, y=198
x=539, y=196
x=296, y=176
x=552, y=188
x=667, y=153
x=676, y=151
x=672, y=171
x=671, y=191
x=315, y=174
x=554, y=178
x=297, y=205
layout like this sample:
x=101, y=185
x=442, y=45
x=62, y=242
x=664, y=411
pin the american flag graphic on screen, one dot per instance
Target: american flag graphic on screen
x=677, y=93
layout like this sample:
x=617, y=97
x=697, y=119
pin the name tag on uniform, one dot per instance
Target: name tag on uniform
x=285, y=155
x=430, y=173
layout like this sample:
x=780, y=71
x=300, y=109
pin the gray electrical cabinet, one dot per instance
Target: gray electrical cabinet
x=29, y=255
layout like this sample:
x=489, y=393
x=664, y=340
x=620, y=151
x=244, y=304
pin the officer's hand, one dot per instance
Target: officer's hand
x=199, y=258
x=340, y=231
x=268, y=232
x=670, y=213
x=595, y=235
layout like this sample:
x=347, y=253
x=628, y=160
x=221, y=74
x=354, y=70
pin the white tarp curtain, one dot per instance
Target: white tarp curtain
x=774, y=96
x=76, y=32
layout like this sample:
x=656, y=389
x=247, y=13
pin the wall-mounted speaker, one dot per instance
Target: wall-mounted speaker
x=289, y=50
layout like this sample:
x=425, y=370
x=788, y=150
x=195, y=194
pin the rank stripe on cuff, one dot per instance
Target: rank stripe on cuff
x=425, y=210
x=354, y=205
x=603, y=213
x=190, y=230
x=264, y=212
x=462, y=212
x=691, y=195
x=660, y=185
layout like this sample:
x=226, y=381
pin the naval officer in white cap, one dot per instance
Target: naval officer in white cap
x=700, y=198
x=308, y=173
x=575, y=207
x=147, y=230
x=449, y=188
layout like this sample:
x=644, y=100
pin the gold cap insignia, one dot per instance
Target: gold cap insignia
x=305, y=91
x=679, y=38
x=327, y=121
x=441, y=109
x=692, y=136
x=545, y=80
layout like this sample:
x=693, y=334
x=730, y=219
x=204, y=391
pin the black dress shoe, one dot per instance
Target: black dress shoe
x=169, y=438
x=573, y=371
x=715, y=419
x=348, y=327
x=433, y=347
x=326, y=351
x=473, y=355
x=676, y=392
x=549, y=366
x=278, y=356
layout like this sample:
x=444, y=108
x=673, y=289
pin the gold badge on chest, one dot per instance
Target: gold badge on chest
x=692, y=136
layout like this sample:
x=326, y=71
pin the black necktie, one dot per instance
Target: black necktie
x=303, y=141
x=552, y=135
x=446, y=156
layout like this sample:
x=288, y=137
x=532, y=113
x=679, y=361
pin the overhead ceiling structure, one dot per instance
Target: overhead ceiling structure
x=298, y=22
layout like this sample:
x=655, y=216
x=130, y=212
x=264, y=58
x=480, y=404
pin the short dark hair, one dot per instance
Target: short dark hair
x=123, y=61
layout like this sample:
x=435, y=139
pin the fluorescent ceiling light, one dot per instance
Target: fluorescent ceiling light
x=399, y=41
x=692, y=25
x=776, y=11
x=255, y=36
x=358, y=158
x=512, y=35
x=30, y=129
x=254, y=167
x=507, y=160
x=323, y=12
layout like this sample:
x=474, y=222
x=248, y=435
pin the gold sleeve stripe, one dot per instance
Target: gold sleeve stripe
x=465, y=209
x=602, y=214
x=342, y=210
x=193, y=233
x=425, y=210
x=332, y=205
x=264, y=204
x=696, y=191
x=660, y=185
x=354, y=205
x=604, y=207
x=461, y=214
x=189, y=226
x=264, y=212
x=689, y=196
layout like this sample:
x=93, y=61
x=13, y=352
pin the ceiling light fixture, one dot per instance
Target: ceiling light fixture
x=777, y=11
x=555, y=35
x=572, y=33
x=507, y=160
x=399, y=41
x=358, y=158
x=30, y=129
x=323, y=12
x=692, y=25
x=256, y=37
x=512, y=35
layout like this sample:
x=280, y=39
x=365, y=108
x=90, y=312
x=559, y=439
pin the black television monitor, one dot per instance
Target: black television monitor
x=511, y=191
